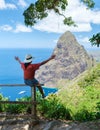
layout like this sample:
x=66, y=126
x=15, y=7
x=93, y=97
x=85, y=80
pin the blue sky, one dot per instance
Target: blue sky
x=45, y=34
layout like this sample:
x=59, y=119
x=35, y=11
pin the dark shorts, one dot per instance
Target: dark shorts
x=31, y=82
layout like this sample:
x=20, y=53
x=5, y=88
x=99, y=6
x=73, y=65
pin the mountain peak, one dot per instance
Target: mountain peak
x=71, y=60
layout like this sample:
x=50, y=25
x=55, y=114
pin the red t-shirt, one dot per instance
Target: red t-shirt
x=29, y=72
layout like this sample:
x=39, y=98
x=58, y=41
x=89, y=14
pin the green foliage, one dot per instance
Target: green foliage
x=80, y=100
x=84, y=115
x=88, y=108
x=98, y=110
x=89, y=3
x=95, y=40
x=52, y=107
x=68, y=21
x=92, y=78
x=39, y=10
x=3, y=106
x=18, y=108
x=82, y=96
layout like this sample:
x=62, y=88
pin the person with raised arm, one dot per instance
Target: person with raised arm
x=29, y=71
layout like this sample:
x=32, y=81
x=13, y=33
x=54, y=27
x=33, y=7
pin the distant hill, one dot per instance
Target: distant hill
x=95, y=53
x=90, y=77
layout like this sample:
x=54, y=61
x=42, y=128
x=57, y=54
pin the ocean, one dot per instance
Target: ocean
x=11, y=72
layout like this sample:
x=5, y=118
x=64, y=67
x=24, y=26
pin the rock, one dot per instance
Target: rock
x=71, y=60
x=54, y=125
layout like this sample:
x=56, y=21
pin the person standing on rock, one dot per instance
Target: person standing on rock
x=29, y=71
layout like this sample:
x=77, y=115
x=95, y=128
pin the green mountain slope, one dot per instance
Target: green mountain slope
x=82, y=95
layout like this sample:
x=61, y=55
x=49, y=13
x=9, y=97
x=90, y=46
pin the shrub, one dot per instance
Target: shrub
x=3, y=106
x=18, y=108
x=53, y=108
x=84, y=115
x=82, y=96
x=98, y=110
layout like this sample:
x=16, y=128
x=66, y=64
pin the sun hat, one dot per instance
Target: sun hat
x=28, y=58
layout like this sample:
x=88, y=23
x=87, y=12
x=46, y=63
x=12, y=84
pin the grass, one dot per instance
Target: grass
x=82, y=95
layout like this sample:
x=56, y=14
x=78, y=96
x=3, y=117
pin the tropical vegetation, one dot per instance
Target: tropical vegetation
x=78, y=100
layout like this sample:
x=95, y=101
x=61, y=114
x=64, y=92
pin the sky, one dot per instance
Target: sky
x=45, y=34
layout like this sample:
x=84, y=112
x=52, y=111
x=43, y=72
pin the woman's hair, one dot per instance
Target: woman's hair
x=27, y=64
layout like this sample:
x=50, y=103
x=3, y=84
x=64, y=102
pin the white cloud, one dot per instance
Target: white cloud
x=5, y=28
x=22, y=28
x=83, y=40
x=19, y=28
x=80, y=14
x=96, y=17
x=54, y=24
x=22, y=3
x=4, y=5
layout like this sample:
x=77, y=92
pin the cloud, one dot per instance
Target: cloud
x=82, y=16
x=22, y=28
x=5, y=28
x=4, y=5
x=96, y=17
x=58, y=27
x=19, y=28
x=84, y=40
x=22, y=3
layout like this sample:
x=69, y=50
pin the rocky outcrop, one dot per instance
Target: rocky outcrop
x=52, y=125
x=71, y=60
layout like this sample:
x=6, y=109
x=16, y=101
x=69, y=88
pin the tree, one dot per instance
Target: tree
x=39, y=10
x=95, y=40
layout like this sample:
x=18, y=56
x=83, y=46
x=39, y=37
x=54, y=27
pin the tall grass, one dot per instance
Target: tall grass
x=82, y=96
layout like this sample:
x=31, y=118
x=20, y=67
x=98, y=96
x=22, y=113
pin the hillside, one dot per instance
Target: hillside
x=93, y=74
x=82, y=94
x=95, y=53
x=80, y=97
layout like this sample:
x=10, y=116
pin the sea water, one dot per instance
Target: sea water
x=11, y=72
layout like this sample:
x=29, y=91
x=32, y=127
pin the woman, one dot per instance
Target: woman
x=29, y=71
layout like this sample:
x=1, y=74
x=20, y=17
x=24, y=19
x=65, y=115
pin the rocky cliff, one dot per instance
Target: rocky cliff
x=71, y=60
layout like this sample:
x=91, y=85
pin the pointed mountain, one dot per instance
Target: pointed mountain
x=71, y=60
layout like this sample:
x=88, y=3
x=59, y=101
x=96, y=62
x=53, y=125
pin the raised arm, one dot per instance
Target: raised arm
x=44, y=62
x=17, y=58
